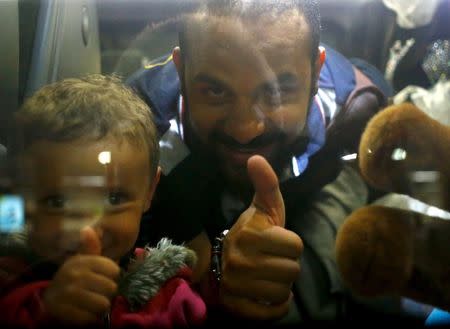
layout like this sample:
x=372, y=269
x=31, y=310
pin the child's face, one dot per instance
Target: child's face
x=102, y=184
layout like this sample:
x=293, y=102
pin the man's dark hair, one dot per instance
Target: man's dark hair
x=251, y=9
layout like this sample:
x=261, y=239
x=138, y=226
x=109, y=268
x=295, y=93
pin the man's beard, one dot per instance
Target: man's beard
x=236, y=179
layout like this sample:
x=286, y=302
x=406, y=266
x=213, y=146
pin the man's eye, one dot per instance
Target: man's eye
x=117, y=198
x=215, y=92
x=273, y=96
x=277, y=96
x=54, y=201
x=289, y=91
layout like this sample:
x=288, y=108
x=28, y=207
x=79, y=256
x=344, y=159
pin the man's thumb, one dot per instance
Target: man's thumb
x=90, y=242
x=267, y=197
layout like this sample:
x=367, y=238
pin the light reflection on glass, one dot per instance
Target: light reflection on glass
x=399, y=154
x=104, y=157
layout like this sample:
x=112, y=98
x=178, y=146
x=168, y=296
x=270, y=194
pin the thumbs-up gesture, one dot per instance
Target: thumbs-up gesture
x=84, y=285
x=260, y=258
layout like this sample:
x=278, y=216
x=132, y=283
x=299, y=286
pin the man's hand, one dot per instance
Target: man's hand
x=84, y=285
x=260, y=259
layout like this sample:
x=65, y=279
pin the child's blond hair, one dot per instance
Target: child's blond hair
x=88, y=108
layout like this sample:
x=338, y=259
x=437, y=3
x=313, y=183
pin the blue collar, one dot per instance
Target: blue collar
x=316, y=134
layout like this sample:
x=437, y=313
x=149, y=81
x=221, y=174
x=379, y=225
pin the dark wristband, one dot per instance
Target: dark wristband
x=216, y=256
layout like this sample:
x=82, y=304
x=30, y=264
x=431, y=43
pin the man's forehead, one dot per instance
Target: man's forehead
x=264, y=33
x=269, y=41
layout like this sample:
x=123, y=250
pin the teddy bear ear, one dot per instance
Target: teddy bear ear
x=400, y=140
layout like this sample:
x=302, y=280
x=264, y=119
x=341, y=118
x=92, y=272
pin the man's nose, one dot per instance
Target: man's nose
x=245, y=122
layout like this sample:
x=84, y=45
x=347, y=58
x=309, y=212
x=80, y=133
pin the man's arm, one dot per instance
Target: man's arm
x=318, y=290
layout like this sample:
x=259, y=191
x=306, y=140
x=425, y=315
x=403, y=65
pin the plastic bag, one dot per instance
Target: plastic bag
x=412, y=14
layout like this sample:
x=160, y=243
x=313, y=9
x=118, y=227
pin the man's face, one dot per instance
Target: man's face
x=248, y=90
x=72, y=185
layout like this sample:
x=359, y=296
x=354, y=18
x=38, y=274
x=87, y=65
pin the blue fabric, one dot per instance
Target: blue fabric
x=438, y=317
x=337, y=73
x=160, y=88
x=316, y=133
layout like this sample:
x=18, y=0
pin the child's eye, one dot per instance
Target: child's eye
x=116, y=198
x=56, y=201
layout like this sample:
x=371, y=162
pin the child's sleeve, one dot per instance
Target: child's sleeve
x=23, y=307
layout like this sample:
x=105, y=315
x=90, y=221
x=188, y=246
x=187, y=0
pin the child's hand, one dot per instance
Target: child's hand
x=84, y=285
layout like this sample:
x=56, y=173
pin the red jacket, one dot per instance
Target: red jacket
x=175, y=304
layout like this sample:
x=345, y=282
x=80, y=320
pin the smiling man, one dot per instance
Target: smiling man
x=254, y=116
x=256, y=103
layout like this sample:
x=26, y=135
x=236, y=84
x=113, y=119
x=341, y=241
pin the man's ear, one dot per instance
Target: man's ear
x=178, y=61
x=320, y=60
x=151, y=190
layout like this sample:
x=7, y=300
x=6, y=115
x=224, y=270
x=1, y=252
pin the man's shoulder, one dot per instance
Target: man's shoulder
x=158, y=85
x=348, y=75
x=159, y=70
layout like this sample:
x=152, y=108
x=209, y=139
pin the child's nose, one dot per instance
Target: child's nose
x=84, y=214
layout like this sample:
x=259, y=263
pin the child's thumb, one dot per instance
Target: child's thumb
x=90, y=242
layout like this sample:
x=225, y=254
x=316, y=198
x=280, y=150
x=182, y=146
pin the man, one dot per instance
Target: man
x=251, y=145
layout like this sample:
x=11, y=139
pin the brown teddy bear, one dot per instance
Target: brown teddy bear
x=383, y=251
